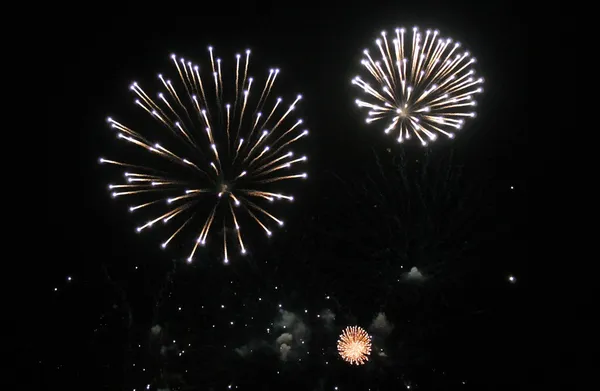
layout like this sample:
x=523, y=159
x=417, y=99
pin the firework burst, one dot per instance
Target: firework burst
x=354, y=345
x=217, y=161
x=422, y=86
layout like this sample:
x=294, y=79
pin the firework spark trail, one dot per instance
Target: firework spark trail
x=354, y=345
x=229, y=157
x=426, y=93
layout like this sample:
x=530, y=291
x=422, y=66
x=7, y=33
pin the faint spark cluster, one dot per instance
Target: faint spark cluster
x=291, y=338
x=421, y=87
x=288, y=336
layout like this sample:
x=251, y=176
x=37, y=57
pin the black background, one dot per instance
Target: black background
x=469, y=325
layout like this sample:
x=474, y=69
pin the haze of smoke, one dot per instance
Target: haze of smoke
x=291, y=336
x=381, y=325
x=414, y=274
x=328, y=317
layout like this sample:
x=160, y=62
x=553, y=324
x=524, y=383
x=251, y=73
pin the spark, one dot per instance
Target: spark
x=354, y=345
x=212, y=165
x=422, y=86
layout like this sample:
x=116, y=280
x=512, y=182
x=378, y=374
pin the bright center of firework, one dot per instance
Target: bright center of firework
x=224, y=187
x=403, y=111
x=355, y=350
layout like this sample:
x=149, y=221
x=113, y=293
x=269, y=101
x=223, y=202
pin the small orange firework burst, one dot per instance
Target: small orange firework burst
x=354, y=345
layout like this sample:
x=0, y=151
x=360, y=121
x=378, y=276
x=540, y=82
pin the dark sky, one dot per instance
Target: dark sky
x=461, y=326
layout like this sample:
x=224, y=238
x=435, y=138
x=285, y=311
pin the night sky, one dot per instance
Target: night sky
x=126, y=315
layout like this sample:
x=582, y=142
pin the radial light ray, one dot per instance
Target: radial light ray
x=215, y=156
x=418, y=84
x=354, y=345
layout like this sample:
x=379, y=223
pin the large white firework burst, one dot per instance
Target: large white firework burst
x=421, y=86
x=208, y=161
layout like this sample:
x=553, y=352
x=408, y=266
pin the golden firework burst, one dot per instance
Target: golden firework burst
x=354, y=345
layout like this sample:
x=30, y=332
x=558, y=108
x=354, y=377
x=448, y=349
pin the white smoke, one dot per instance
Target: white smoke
x=155, y=330
x=328, y=317
x=291, y=338
x=414, y=274
x=381, y=326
